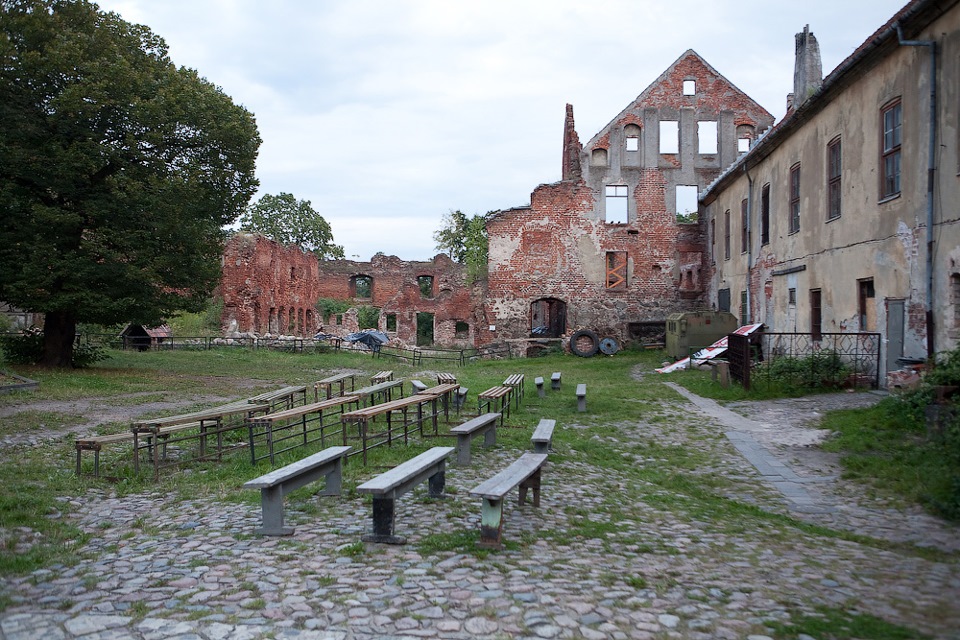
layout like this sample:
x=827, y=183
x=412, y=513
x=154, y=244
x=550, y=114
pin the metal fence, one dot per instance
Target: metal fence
x=840, y=360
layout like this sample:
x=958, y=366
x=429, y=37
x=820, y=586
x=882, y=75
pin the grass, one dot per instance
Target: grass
x=830, y=623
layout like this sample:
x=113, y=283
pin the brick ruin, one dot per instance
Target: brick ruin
x=603, y=249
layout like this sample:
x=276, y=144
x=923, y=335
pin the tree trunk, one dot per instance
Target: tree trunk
x=59, y=332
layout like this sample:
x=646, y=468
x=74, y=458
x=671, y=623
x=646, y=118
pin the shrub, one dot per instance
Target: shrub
x=818, y=370
x=27, y=348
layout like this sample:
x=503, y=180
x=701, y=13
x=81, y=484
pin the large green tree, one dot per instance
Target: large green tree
x=465, y=241
x=290, y=221
x=118, y=171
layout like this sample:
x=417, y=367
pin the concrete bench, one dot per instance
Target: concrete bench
x=325, y=387
x=581, y=397
x=279, y=482
x=539, y=382
x=542, y=436
x=525, y=473
x=485, y=424
x=381, y=376
x=555, y=381
x=387, y=487
x=418, y=386
x=460, y=400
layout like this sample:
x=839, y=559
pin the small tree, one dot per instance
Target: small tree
x=290, y=221
x=465, y=241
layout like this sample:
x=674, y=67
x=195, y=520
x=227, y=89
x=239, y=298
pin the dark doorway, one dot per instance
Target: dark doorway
x=424, y=329
x=548, y=318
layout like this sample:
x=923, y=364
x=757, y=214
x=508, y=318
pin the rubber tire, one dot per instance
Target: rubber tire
x=609, y=346
x=591, y=350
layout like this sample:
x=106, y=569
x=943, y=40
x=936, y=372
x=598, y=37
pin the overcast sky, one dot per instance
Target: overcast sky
x=387, y=114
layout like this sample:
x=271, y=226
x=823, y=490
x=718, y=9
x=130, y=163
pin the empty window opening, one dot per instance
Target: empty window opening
x=426, y=286
x=616, y=269
x=866, y=308
x=548, y=318
x=391, y=322
x=339, y=319
x=833, y=179
x=461, y=330
x=598, y=158
x=424, y=329
x=687, y=203
x=795, y=198
x=689, y=87
x=816, y=315
x=743, y=145
x=765, y=214
x=293, y=273
x=891, y=118
x=669, y=136
x=707, y=136
x=631, y=134
x=616, y=202
x=361, y=286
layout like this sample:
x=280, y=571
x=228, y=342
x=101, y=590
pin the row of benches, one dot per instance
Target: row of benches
x=429, y=466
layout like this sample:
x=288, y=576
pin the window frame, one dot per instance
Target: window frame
x=834, y=177
x=794, y=226
x=891, y=149
x=607, y=195
x=616, y=264
x=726, y=234
x=765, y=214
x=744, y=228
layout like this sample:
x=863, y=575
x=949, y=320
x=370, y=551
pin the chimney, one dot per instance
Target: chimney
x=789, y=101
x=571, y=148
x=807, y=70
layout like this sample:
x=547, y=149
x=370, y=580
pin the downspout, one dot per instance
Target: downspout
x=931, y=172
x=749, y=239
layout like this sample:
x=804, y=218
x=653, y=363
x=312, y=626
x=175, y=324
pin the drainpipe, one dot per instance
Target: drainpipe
x=931, y=172
x=749, y=239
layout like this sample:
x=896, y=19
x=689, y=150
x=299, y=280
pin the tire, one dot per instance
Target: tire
x=584, y=343
x=609, y=346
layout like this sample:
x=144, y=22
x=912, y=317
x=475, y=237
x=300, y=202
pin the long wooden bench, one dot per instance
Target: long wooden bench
x=382, y=391
x=279, y=482
x=363, y=417
x=96, y=444
x=542, y=436
x=488, y=401
x=298, y=424
x=325, y=387
x=381, y=376
x=524, y=472
x=284, y=397
x=389, y=486
x=485, y=425
x=444, y=392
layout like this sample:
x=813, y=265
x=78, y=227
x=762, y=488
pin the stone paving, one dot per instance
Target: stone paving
x=605, y=556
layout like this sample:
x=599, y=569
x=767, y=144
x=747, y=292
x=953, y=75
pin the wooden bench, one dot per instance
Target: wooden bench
x=363, y=417
x=516, y=382
x=387, y=487
x=555, y=381
x=525, y=473
x=446, y=378
x=279, y=482
x=297, y=424
x=96, y=444
x=581, y=397
x=539, y=382
x=488, y=400
x=284, y=397
x=381, y=376
x=444, y=392
x=485, y=424
x=542, y=436
x=382, y=391
x=326, y=385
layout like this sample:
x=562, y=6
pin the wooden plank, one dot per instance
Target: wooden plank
x=501, y=484
x=405, y=471
x=296, y=412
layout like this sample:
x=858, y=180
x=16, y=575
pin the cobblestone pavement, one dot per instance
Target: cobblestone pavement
x=605, y=556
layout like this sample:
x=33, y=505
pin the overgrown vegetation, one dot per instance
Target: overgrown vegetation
x=329, y=307
x=27, y=348
x=368, y=317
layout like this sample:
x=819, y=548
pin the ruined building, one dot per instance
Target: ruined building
x=616, y=243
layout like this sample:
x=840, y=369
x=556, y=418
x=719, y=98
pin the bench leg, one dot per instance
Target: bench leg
x=540, y=392
x=334, y=480
x=491, y=523
x=383, y=518
x=533, y=482
x=490, y=436
x=463, y=450
x=581, y=403
x=271, y=503
x=437, y=482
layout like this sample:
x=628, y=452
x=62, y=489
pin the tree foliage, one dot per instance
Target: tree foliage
x=465, y=241
x=290, y=221
x=118, y=171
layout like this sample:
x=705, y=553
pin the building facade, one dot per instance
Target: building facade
x=844, y=216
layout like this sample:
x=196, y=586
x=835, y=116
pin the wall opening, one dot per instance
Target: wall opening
x=461, y=330
x=669, y=136
x=361, y=286
x=616, y=204
x=426, y=286
x=866, y=308
x=707, y=140
x=391, y=323
x=598, y=158
x=616, y=270
x=424, y=329
x=548, y=318
x=687, y=203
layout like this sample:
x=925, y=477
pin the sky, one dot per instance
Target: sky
x=388, y=114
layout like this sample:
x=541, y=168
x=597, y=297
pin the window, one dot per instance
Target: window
x=891, y=118
x=616, y=203
x=765, y=214
x=713, y=240
x=833, y=179
x=865, y=305
x=669, y=136
x=723, y=299
x=461, y=330
x=362, y=286
x=816, y=318
x=391, y=322
x=726, y=235
x=792, y=297
x=689, y=87
x=707, y=136
x=687, y=203
x=426, y=286
x=744, y=237
x=795, y=198
x=743, y=145
x=616, y=269
x=744, y=309
x=631, y=134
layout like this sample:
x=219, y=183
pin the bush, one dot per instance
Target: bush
x=27, y=348
x=822, y=369
x=368, y=317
